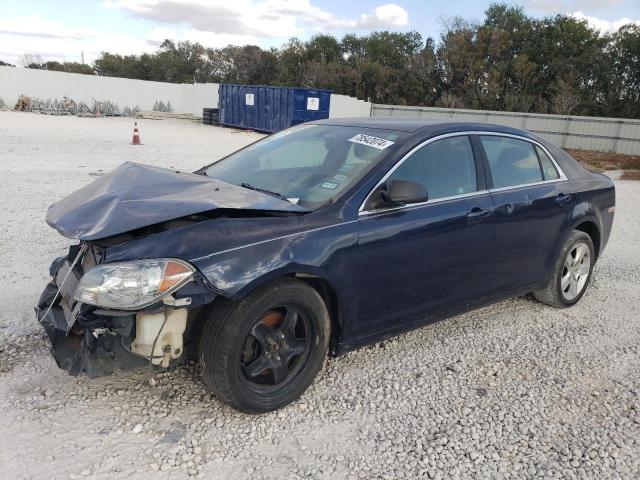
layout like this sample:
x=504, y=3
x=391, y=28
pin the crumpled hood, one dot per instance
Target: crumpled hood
x=134, y=196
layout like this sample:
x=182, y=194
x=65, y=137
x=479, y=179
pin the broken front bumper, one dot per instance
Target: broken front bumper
x=98, y=341
x=73, y=328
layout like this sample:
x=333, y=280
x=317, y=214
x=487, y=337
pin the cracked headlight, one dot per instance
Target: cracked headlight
x=132, y=285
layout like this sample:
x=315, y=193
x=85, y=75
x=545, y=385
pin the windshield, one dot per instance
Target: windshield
x=310, y=164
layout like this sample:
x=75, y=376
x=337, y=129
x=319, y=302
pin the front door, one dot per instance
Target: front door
x=422, y=259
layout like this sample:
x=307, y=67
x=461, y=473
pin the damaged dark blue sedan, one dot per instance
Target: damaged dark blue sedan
x=315, y=240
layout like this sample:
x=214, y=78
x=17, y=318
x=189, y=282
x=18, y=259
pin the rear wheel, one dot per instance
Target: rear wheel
x=572, y=272
x=261, y=353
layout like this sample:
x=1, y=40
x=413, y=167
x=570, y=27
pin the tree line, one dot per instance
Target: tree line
x=508, y=61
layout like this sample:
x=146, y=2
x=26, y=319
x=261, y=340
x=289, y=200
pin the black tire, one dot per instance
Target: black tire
x=239, y=346
x=554, y=294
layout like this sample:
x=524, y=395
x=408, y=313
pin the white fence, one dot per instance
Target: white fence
x=587, y=133
x=185, y=98
x=345, y=106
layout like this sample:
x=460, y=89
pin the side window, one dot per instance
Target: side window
x=445, y=167
x=548, y=169
x=512, y=162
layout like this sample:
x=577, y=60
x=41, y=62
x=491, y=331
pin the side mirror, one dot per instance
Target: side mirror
x=402, y=192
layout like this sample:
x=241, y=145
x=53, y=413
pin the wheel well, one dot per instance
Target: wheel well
x=592, y=230
x=198, y=317
x=328, y=294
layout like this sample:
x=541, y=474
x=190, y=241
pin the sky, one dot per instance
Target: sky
x=64, y=30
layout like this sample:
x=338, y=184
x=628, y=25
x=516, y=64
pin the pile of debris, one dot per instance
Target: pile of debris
x=160, y=106
x=167, y=116
x=67, y=106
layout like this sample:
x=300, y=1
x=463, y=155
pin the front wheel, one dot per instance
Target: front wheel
x=261, y=353
x=572, y=272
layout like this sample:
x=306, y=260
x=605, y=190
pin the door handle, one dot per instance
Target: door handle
x=563, y=199
x=477, y=214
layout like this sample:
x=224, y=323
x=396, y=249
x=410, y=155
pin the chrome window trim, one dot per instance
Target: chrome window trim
x=428, y=203
x=562, y=177
x=525, y=185
x=561, y=174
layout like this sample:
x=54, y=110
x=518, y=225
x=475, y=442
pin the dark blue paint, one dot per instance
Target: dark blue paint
x=392, y=271
x=527, y=224
x=134, y=196
x=410, y=273
x=273, y=109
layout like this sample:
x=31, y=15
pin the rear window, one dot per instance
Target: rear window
x=512, y=162
x=548, y=169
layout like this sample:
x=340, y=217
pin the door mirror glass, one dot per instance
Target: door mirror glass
x=402, y=192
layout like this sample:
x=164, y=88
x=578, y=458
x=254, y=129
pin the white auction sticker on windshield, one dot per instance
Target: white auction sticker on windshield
x=375, y=142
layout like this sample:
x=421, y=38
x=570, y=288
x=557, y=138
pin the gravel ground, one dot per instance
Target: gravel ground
x=514, y=390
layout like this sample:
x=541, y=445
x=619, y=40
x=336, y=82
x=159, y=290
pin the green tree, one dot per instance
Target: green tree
x=323, y=49
x=291, y=63
x=507, y=61
x=624, y=83
x=128, y=66
x=69, y=67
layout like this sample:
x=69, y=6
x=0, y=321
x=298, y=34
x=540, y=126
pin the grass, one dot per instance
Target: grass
x=631, y=175
x=601, y=161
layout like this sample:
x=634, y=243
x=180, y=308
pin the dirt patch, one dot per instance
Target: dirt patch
x=631, y=175
x=513, y=387
x=600, y=161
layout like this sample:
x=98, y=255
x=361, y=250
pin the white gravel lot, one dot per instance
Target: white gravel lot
x=515, y=390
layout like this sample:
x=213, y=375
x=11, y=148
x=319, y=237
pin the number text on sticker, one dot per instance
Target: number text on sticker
x=375, y=142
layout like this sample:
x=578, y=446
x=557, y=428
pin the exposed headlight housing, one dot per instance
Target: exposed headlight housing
x=132, y=285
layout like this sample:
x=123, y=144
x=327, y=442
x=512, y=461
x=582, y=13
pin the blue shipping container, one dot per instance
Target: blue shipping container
x=270, y=109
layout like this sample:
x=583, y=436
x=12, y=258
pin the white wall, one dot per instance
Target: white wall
x=620, y=135
x=196, y=96
x=185, y=98
x=345, y=106
x=590, y=133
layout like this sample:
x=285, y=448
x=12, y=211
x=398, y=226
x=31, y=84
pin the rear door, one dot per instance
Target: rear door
x=422, y=259
x=531, y=207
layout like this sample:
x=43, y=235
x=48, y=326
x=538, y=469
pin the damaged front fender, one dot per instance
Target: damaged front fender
x=234, y=255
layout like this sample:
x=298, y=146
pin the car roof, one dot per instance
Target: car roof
x=431, y=127
x=413, y=124
x=409, y=125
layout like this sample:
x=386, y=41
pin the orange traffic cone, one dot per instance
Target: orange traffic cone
x=136, y=135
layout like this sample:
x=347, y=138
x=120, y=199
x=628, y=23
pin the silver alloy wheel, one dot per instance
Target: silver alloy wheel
x=575, y=272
